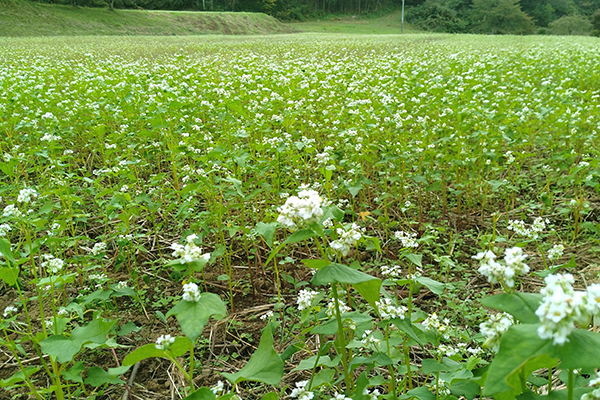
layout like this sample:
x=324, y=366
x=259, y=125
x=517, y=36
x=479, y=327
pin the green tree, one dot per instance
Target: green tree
x=596, y=23
x=501, y=17
x=437, y=16
x=570, y=25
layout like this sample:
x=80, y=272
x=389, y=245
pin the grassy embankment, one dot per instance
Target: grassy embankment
x=23, y=18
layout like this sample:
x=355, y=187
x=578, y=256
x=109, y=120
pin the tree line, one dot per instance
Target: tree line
x=563, y=17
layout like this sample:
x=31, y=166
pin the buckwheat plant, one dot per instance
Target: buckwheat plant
x=506, y=273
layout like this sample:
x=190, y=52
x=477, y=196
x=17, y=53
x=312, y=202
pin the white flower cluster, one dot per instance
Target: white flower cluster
x=556, y=252
x=496, y=272
x=392, y=272
x=441, y=388
x=306, y=298
x=11, y=210
x=4, y=229
x=98, y=248
x=408, y=239
x=594, y=394
x=9, y=310
x=372, y=395
x=301, y=210
x=369, y=341
x=347, y=239
x=53, y=264
x=218, y=388
x=331, y=308
x=300, y=392
x=388, y=310
x=519, y=227
x=122, y=285
x=190, y=252
x=25, y=195
x=164, y=341
x=562, y=307
x=433, y=324
x=191, y=292
x=493, y=329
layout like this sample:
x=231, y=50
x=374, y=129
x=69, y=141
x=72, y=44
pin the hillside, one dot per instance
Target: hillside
x=23, y=18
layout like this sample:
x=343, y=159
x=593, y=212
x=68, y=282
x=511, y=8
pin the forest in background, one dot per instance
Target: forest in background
x=560, y=17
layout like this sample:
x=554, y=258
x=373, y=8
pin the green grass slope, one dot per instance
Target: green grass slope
x=23, y=18
x=383, y=25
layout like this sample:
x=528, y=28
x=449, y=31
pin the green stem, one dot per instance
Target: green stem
x=570, y=384
x=341, y=341
x=407, y=362
x=549, y=380
x=192, y=368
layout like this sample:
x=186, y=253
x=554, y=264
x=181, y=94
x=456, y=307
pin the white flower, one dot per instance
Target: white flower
x=11, y=210
x=346, y=239
x=53, y=264
x=190, y=252
x=191, y=292
x=392, y=272
x=493, y=329
x=496, y=272
x=300, y=392
x=218, y=388
x=556, y=252
x=164, y=341
x=306, y=298
x=98, y=248
x=4, y=229
x=408, y=239
x=300, y=210
x=331, y=308
x=10, y=310
x=25, y=195
x=122, y=285
x=562, y=307
x=388, y=310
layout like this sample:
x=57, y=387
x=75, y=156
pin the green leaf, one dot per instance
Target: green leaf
x=60, y=347
x=74, y=373
x=367, y=285
x=118, y=371
x=193, y=316
x=202, y=394
x=324, y=377
x=581, y=351
x=521, y=352
x=97, y=377
x=9, y=275
x=430, y=365
x=264, y=365
x=315, y=263
x=270, y=396
x=421, y=393
x=466, y=388
x=354, y=189
x=267, y=231
x=309, y=363
x=521, y=306
x=415, y=259
x=406, y=326
x=435, y=286
x=95, y=331
x=128, y=328
x=300, y=236
x=6, y=251
x=18, y=377
x=181, y=345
